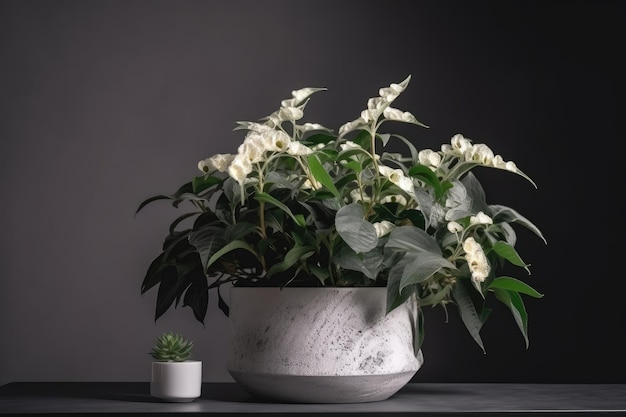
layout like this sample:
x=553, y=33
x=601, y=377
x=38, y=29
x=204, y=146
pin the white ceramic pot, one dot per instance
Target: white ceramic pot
x=176, y=381
x=320, y=345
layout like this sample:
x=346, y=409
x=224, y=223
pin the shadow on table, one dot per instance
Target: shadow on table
x=140, y=391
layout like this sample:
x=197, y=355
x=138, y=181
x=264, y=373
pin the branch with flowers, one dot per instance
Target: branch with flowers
x=298, y=205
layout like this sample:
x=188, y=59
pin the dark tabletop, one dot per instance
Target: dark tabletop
x=419, y=399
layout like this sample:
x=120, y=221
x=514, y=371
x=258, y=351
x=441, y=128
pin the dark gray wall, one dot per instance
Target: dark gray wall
x=104, y=103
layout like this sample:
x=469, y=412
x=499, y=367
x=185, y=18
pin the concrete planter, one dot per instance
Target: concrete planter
x=176, y=381
x=320, y=345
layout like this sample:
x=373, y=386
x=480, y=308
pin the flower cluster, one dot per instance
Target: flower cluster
x=300, y=205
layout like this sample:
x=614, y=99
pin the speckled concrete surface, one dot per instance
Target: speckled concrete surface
x=292, y=342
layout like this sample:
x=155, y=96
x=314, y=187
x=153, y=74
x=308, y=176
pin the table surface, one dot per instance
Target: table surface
x=419, y=399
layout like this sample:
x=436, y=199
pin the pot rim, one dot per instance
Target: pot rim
x=322, y=288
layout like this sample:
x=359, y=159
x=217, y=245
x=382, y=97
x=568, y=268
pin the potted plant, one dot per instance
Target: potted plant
x=299, y=205
x=175, y=377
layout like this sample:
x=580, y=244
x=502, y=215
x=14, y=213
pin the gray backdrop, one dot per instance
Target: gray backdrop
x=104, y=103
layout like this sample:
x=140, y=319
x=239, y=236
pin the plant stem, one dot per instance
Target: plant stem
x=376, y=188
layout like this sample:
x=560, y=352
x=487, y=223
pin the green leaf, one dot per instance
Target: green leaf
x=519, y=172
x=320, y=273
x=197, y=295
x=354, y=166
x=364, y=139
x=203, y=182
x=476, y=193
x=423, y=266
x=412, y=239
x=318, y=138
x=167, y=292
x=395, y=297
x=513, y=284
x=503, y=214
x=412, y=149
x=207, y=241
x=468, y=313
x=274, y=220
x=150, y=200
x=239, y=230
x=291, y=258
x=348, y=154
x=515, y=303
x=183, y=189
x=436, y=297
x=509, y=253
x=175, y=244
x=188, y=197
x=266, y=198
x=357, y=232
x=426, y=175
x=153, y=275
x=418, y=332
x=369, y=264
x=222, y=304
x=320, y=174
x=237, y=244
x=180, y=219
x=384, y=138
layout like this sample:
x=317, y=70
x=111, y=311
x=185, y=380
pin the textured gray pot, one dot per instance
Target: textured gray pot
x=320, y=345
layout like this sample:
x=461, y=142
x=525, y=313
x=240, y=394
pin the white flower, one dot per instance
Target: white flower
x=480, y=153
x=350, y=126
x=217, y=162
x=311, y=126
x=206, y=165
x=259, y=127
x=470, y=245
x=290, y=113
x=460, y=144
x=454, y=227
x=429, y=158
x=498, y=162
x=369, y=115
x=308, y=185
x=348, y=145
x=274, y=120
x=397, y=198
x=383, y=227
x=222, y=161
x=385, y=170
x=390, y=93
x=357, y=197
x=376, y=103
x=276, y=141
x=299, y=96
x=397, y=177
x=240, y=168
x=396, y=114
x=298, y=149
x=480, y=218
x=510, y=166
x=253, y=148
x=406, y=184
x=476, y=260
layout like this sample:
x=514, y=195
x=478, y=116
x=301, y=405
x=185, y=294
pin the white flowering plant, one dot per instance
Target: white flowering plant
x=298, y=205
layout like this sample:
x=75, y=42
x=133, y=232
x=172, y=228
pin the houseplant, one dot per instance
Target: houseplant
x=301, y=206
x=175, y=377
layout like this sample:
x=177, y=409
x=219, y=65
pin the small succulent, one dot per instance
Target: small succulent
x=171, y=347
